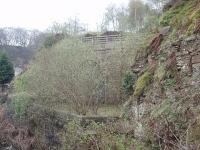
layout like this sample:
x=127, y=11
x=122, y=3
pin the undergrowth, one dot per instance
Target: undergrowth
x=101, y=136
x=183, y=16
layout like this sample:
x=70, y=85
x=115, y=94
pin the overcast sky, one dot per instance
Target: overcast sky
x=39, y=14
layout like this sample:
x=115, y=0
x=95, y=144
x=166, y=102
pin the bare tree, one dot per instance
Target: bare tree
x=111, y=16
x=115, y=18
x=15, y=36
x=3, y=37
x=21, y=37
x=70, y=27
x=36, y=39
x=158, y=4
x=137, y=12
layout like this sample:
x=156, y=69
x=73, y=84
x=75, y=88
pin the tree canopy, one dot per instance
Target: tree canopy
x=6, y=69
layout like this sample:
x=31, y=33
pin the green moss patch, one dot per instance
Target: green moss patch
x=142, y=82
x=160, y=73
x=20, y=102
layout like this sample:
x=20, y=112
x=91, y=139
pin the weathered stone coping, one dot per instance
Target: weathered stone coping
x=60, y=118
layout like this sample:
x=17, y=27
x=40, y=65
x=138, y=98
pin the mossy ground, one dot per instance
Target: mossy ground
x=182, y=17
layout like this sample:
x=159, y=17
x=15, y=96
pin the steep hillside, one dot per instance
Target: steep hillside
x=165, y=104
x=163, y=107
x=183, y=16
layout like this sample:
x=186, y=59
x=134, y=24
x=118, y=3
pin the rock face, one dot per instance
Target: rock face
x=155, y=44
x=172, y=92
x=165, y=30
x=153, y=50
x=188, y=54
x=139, y=65
x=18, y=71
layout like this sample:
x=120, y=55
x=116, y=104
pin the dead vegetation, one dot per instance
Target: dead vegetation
x=155, y=44
x=197, y=30
x=17, y=137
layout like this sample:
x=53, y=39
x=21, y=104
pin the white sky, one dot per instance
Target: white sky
x=39, y=14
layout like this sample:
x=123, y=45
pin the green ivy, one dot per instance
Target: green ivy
x=128, y=82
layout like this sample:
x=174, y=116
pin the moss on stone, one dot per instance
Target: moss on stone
x=142, y=82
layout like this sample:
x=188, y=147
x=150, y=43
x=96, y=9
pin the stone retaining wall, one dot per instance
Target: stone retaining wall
x=50, y=122
x=187, y=52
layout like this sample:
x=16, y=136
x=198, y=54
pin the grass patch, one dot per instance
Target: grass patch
x=111, y=110
x=20, y=83
x=19, y=103
x=182, y=16
x=163, y=108
x=170, y=83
